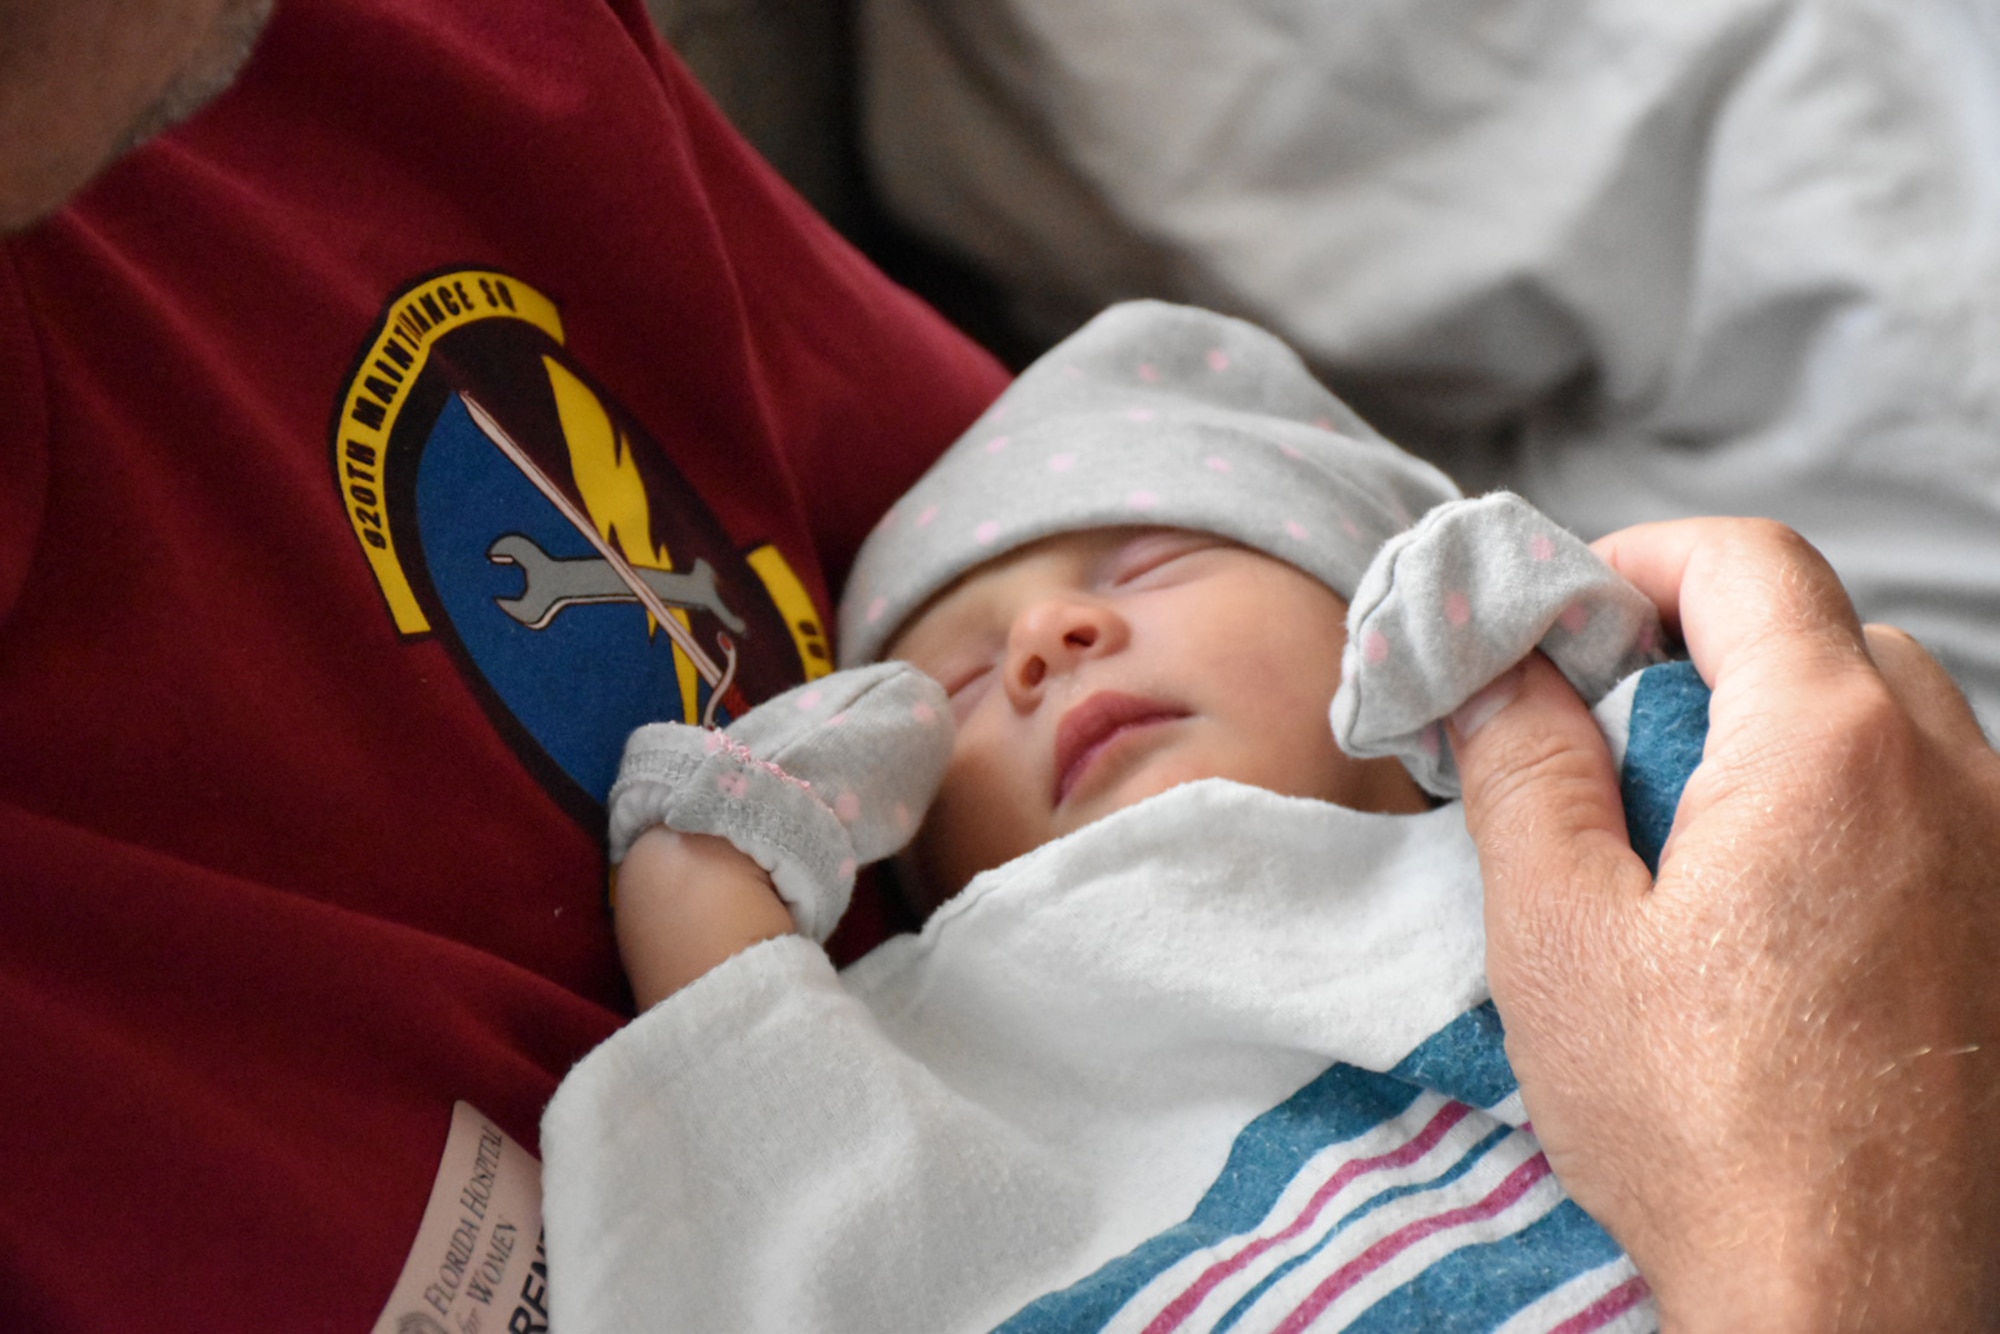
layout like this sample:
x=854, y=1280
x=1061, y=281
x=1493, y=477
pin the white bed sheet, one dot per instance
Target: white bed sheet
x=1634, y=259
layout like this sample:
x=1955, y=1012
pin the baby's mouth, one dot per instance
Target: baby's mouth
x=1090, y=728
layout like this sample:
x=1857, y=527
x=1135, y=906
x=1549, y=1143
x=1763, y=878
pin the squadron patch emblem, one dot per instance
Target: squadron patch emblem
x=509, y=506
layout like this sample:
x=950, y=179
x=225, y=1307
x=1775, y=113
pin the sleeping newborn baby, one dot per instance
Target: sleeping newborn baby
x=1195, y=1034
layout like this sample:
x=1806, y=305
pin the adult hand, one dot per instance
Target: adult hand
x=1773, y=1072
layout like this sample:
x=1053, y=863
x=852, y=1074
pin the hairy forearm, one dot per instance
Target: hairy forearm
x=685, y=903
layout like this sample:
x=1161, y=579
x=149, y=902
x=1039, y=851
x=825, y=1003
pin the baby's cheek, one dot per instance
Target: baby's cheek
x=979, y=820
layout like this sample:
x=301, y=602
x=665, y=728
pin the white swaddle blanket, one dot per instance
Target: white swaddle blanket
x=1126, y=1081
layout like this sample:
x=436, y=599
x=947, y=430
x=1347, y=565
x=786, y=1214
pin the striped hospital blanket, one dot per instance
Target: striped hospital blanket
x=1222, y=1061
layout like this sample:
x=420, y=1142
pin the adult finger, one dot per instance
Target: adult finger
x=1922, y=686
x=1749, y=597
x=1562, y=886
x=1542, y=803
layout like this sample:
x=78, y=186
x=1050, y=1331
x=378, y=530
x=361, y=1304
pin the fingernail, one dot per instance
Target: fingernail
x=1478, y=711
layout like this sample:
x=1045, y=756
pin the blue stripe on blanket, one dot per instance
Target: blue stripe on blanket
x=1478, y=1287
x=1668, y=729
x=1386, y=1199
x=1466, y=1060
x=1475, y=1286
x=1339, y=1105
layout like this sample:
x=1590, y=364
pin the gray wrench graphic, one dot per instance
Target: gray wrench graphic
x=554, y=583
x=721, y=677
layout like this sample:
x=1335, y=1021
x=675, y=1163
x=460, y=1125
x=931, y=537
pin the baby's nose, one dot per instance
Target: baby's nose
x=1054, y=634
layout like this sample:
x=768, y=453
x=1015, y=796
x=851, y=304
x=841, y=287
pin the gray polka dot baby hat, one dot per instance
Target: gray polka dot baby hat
x=1151, y=414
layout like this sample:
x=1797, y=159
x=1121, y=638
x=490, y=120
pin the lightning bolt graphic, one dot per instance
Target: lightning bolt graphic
x=721, y=679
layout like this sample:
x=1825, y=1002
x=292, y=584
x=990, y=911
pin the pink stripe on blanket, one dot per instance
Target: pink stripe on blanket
x=1606, y=1308
x=1354, y=1271
x=1185, y=1305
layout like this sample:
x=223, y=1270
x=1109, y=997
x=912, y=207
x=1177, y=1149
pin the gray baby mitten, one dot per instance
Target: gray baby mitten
x=812, y=784
x=1450, y=604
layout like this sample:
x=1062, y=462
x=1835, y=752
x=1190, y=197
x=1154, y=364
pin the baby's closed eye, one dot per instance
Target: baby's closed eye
x=967, y=684
x=1154, y=555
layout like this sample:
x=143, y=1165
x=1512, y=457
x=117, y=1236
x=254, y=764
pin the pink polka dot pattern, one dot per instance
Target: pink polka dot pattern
x=1375, y=647
x=1575, y=617
x=1144, y=430
x=1457, y=608
x=1541, y=547
x=876, y=608
x=924, y=713
x=838, y=719
x=847, y=868
x=1351, y=528
x=847, y=806
x=925, y=519
x=904, y=820
x=809, y=701
x=733, y=786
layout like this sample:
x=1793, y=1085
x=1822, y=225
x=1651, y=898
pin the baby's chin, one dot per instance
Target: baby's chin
x=1138, y=787
x=925, y=885
x=926, y=879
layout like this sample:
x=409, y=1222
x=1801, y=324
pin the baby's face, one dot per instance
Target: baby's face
x=1095, y=669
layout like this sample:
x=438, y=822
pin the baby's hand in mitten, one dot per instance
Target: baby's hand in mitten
x=1448, y=605
x=813, y=784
